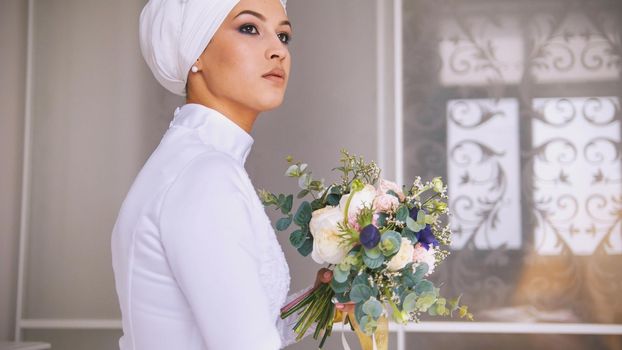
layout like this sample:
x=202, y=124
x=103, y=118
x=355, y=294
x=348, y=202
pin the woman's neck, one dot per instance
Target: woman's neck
x=243, y=117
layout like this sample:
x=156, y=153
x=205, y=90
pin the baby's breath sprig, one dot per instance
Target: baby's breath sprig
x=353, y=168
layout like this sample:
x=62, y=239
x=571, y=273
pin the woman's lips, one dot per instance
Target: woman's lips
x=276, y=75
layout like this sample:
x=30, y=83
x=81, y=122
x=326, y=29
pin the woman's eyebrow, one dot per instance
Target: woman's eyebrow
x=261, y=17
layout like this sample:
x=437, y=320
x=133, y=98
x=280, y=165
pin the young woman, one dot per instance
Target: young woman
x=196, y=261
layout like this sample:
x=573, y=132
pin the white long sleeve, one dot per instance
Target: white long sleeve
x=210, y=245
x=196, y=262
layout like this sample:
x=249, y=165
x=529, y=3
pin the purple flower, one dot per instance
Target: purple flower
x=426, y=237
x=370, y=236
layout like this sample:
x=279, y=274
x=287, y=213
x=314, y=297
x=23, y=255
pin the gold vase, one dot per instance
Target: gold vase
x=381, y=334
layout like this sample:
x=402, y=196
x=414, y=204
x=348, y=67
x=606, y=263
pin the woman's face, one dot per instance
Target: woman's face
x=246, y=64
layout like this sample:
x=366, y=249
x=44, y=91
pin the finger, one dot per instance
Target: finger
x=327, y=276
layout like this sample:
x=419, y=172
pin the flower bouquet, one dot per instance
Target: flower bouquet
x=380, y=241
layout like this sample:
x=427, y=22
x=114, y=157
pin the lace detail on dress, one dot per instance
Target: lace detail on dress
x=286, y=326
x=275, y=278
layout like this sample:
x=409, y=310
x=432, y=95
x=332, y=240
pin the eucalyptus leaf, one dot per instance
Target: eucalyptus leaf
x=338, y=287
x=373, y=308
x=372, y=253
x=373, y=263
x=390, y=242
x=421, y=217
x=361, y=279
x=441, y=309
x=432, y=311
x=316, y=204
x=358, y=312
x=303, y=214
x=340, y=275
x=414, y=225
x=342, y=297
x=425, y=301
x=297, y=238
x=420, y=271
x=409, y=278
x=307, y=247
x=402, y=213
x=410, y=234
x=287, y=204
x=424, y=286
x=360, y=293
x=283, y=223
x=333, y=199
x=382, y=219
x=302, y=193
x=409, y=302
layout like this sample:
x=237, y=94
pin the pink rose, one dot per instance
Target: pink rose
x=422, y=255
x=386, y=203
x=385, y=185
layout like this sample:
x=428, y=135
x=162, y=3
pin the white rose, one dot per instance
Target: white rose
x=364, y=197
x=421, y=254
x=326, y=242
x=403, y=257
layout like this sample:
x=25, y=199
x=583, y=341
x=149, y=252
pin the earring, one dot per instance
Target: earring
x=194, y=69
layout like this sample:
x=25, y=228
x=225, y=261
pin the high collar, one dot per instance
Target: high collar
x=215, y=130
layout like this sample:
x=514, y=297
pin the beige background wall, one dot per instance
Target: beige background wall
x=12, y=74
x=97, y=115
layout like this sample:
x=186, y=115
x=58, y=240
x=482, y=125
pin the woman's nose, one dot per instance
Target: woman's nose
x=277, y=49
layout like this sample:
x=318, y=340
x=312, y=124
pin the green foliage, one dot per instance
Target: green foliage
x=409, y=278
x=390, y=243
x=360, y=277
x=283, y=223
x=307, y=247
x=402, y=213
x=298, y=238
x=424, y=286
x=410, y=234
x=425, y=301
x=372, y=253
x=303, y=214
x=415, y=226
x=409, y=302
x=382, y=219
x=360, y=293
x=339, y=287
x=372, y=307
x=353, y=168
x=340, y=275
x=421, y=270
x=373, y=263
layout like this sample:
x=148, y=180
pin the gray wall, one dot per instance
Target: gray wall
x=12, y=73
x=87, y=58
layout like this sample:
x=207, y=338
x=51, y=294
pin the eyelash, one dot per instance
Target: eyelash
x=243, y=29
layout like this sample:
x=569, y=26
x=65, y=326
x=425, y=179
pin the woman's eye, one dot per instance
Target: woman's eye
x=284, y=37
x=249, y=29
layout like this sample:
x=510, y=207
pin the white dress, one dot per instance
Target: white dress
x=196, y=262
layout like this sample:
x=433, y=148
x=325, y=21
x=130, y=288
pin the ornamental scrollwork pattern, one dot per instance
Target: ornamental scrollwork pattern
x=549, y=72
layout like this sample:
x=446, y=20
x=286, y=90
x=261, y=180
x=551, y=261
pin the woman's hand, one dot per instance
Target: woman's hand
x=325, y=275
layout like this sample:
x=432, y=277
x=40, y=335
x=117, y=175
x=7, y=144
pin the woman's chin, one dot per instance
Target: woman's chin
x=270, y=103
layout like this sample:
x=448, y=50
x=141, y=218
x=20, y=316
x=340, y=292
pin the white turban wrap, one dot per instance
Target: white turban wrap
x=174, y=33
